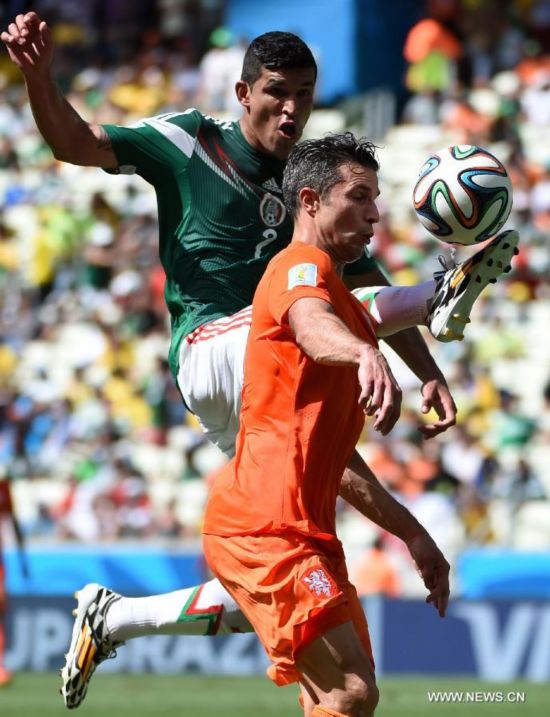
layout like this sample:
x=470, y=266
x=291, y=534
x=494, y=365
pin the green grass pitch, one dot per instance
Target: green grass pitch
x=36, y=695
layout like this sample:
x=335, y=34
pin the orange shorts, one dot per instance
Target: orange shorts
x=292, y=588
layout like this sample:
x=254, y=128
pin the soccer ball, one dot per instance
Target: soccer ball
x=463, y=194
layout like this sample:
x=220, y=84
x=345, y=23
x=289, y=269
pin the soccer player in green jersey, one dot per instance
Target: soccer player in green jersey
x=221, y=219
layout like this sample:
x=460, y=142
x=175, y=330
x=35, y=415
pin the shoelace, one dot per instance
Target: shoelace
x=111, y=655
x=446, y=264
x=109, y=651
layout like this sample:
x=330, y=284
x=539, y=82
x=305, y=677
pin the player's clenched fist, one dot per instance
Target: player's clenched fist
x=29, y=43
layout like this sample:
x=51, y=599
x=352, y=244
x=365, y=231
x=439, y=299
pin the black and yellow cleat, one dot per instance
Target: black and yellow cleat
x=458, y=287
x=91, y=643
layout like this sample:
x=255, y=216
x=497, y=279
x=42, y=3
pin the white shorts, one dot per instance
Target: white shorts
x=210, y=376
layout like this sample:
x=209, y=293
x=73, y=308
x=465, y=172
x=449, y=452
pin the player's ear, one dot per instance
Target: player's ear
x=242, y=90
x=309, y=200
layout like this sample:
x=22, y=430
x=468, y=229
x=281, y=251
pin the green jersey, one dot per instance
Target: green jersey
x=220, y=210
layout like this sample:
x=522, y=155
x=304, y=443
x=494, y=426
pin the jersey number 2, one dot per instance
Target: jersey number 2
x=270, y=236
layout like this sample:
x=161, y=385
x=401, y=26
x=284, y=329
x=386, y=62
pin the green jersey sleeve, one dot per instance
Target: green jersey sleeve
x=361, y=266
x=155, y=145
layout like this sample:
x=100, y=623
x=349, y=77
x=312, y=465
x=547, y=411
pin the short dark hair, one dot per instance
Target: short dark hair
x=276, y=51
x=316, y=163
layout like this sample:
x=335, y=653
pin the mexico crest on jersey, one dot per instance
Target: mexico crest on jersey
x=319, y=582
x=272, y=210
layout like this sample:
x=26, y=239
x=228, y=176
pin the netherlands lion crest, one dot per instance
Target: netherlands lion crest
x=272, y=210
x=319, y=583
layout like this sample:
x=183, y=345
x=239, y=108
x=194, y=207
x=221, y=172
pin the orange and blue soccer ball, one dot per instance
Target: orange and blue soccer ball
x=463, y=194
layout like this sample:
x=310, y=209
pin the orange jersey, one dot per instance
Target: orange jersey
x=300, y=420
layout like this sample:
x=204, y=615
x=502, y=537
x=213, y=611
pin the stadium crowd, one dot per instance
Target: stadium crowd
x=93, y=433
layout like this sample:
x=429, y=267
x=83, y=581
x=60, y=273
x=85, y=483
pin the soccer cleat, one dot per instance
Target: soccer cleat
x=458, y=287
x=91, y=643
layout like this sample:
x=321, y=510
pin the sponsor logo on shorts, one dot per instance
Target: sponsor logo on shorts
x=272, y=210
x=319, y=583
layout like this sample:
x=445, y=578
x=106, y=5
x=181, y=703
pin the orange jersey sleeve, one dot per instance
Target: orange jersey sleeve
x=298, y=274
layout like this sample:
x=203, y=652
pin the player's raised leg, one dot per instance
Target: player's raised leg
x=445, y=302
x=104, y=620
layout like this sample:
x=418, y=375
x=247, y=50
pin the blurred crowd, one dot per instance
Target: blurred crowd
x=93, y=433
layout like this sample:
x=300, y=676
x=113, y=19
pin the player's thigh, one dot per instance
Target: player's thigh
x=210, y=376
x=337, y=668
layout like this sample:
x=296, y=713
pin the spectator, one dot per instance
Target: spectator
x=220, y=68
x=374, y=574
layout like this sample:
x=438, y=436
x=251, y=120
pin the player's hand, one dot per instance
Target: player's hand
x=433, y=569
x=380, y=393
x=30, y=45
x=436, y=395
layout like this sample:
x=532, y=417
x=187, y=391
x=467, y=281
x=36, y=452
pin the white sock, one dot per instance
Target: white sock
x=397, y=307
x=207, y=609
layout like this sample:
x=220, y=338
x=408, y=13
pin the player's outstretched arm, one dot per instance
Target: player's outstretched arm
x=30, y=47
x=412, y=349
x=326, y=339
x=361, y=489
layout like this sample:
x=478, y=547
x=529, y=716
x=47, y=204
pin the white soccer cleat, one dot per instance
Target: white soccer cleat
x=91, y=643
x=458, y=287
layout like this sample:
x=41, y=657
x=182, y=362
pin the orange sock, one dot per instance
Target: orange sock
x=325, y=712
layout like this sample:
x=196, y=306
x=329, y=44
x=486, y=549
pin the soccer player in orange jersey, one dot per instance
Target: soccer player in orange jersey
x=6, y=513
x=269, y=531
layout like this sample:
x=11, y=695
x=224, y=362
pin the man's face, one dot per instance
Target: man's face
x=345, y=218
x=277, y=107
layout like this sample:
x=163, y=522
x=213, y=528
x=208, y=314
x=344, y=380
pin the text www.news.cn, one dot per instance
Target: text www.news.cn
x=478, y=696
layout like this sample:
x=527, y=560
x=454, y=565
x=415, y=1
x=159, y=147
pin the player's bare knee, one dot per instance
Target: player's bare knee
x=358, y=699
x=363, y=693
x=372, y=698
